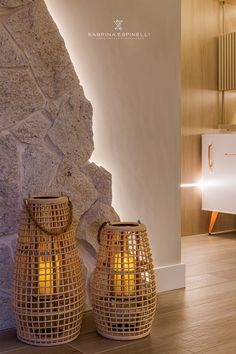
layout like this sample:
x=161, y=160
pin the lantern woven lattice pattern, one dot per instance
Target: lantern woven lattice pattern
x=124, y=288
x=48, y=285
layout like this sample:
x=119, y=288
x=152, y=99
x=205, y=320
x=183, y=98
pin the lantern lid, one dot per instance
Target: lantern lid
x=125, y=226
x=46, y=199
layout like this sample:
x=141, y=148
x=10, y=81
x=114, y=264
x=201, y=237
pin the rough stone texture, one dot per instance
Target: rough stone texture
x=6, y=313
x=52, y=108
x=6, y=267
x=88, y=256
x=14, y=3
x=19, y=97
x=13, y=245
x=9, y=182
x=90, y=222
x=46, y=136
x=7, y=252
x=34, y=29
x=102, y=181
x=10, y=54
x=74, y=183
x=77, y=144
x=32, y=130
x=39, y=167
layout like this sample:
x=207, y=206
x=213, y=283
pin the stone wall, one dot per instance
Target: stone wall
x=46, y=136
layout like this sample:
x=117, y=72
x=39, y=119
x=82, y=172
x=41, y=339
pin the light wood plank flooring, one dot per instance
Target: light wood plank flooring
x=200, y=319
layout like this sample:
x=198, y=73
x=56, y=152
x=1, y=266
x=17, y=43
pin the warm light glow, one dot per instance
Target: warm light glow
x=124, y=280
x=49, y=270
x=48, y=275
x=200, y=184
x=187, y=185
x=123, y=264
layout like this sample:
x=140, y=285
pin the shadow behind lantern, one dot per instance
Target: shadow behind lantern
x=124, y=288
x=48, y=290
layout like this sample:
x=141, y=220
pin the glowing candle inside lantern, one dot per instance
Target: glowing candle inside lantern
x=48, y=272
x=124, y=277
x=48, y=276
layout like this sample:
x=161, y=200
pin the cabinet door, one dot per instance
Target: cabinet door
x=219, y=172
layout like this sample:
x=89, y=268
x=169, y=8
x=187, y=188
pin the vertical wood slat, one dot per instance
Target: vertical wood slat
x=221, y=63
x=230, y=61
x=227, y=61
x=224, y=62
x=234, y=58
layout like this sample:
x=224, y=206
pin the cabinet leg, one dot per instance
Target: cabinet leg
x=214, y=215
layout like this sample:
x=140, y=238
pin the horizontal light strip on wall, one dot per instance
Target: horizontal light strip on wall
x=202, y=184
x=188, y=185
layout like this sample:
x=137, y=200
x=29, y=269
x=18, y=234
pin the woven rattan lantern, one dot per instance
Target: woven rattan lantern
x=124, y=287
x=48, y=286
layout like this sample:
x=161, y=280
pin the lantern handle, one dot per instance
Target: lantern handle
x=44, y=229
x=100, y=230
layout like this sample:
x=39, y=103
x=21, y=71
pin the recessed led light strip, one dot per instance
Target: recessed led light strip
x=188, y=185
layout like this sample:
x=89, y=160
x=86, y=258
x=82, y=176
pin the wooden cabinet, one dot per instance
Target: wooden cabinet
x=219, y=172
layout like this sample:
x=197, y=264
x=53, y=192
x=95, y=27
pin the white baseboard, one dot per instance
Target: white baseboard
x=170, y=277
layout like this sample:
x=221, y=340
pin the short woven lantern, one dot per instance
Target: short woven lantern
x=48, y=290
x=124, y=288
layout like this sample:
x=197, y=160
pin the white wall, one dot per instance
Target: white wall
x=134, y=86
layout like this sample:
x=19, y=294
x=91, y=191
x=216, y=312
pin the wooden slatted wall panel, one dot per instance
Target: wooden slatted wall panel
x=201, y=100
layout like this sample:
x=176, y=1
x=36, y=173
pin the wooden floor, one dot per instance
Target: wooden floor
x=199, y=319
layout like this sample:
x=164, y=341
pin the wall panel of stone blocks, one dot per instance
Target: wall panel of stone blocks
x=46, y=136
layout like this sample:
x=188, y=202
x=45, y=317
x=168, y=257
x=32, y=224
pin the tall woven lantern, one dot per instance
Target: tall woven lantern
x=123, y=288
x=48, y=288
